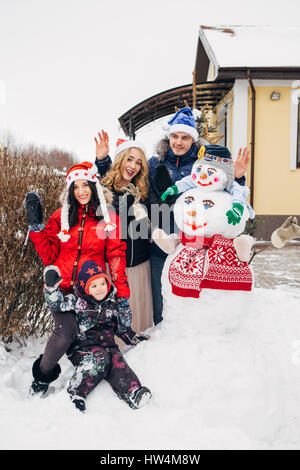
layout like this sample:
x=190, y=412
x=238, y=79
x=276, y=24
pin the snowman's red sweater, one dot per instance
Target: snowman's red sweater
x=213, y=266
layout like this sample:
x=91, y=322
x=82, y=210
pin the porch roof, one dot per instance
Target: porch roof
x=163, y=104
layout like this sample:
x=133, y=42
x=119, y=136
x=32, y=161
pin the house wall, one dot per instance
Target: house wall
x=276, y=184
x=276, y=187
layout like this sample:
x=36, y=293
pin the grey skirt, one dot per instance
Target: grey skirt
x=140, y=300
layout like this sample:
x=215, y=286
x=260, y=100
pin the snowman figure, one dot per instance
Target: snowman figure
x=207, y=258
x=213, y=172
x=209, y=303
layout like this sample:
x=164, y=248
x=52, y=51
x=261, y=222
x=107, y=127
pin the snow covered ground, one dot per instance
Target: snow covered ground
x=226, y=377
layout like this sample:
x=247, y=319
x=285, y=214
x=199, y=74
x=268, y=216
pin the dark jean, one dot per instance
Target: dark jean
x=156, y=265
x=64, y=332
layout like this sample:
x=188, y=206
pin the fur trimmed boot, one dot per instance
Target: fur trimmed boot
x=41, y=381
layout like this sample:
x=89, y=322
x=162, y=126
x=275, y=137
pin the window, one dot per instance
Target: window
x=295, y=126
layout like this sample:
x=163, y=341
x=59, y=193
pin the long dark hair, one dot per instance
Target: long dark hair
x=74, y=204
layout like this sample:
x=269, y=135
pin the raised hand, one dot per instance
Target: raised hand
x=241, y=163
x=102, y=145
x=52, y=277
x=34, y=210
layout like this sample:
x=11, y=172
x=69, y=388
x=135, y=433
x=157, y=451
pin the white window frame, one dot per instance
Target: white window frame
x=295, y=97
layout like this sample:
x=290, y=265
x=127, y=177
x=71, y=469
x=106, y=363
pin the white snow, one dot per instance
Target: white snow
x=277, y=45
x=225, y=376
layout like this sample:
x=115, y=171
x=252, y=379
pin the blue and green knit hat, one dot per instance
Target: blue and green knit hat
x=219, y=157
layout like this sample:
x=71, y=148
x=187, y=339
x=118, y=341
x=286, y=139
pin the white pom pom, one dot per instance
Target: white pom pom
x=165, y=126
x=63, y=237
x=94, y=169
x=109, y=227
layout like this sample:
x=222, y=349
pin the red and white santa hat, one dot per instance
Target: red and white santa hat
x=83, y=171
x=123, y=144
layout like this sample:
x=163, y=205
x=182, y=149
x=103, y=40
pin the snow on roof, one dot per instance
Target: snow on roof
x=252, y=46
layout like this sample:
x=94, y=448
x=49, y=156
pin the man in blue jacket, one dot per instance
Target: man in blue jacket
x=176, y=155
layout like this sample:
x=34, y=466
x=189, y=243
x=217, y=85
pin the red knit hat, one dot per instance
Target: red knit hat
x=123, y=144
x=83, y=171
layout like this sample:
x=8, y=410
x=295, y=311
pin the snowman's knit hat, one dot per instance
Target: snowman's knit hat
x=219, y=157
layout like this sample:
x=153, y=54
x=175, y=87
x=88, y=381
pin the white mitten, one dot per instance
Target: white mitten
x=288, y=231
x=167, y=243
x=243, y=246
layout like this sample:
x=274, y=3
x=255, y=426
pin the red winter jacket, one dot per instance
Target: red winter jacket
x=96, y=245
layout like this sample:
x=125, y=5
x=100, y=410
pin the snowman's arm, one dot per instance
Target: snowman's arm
x=180, y=186
x=185, y=184
x=239, y=201
x=243, y=246
x=165, y=242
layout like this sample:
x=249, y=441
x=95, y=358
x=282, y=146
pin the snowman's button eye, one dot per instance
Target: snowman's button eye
x=211, y=171
x=188, y=199
x=208, y=204
x=198, y=168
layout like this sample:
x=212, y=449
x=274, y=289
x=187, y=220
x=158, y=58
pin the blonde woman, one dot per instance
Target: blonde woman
x=127, y=178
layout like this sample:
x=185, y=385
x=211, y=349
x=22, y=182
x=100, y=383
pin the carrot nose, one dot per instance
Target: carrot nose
x=203, y=176
x=192, y=213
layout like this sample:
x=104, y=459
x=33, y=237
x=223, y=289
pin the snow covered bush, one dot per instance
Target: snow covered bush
x=22, y=310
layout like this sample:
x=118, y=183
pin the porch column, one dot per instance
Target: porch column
x=239, y=116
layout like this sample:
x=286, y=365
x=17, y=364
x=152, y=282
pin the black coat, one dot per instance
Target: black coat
x=135, y=233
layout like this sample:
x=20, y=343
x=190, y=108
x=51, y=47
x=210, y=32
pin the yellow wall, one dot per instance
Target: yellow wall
x=276, y=187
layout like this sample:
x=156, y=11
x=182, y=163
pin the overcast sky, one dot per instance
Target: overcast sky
x=69, y=68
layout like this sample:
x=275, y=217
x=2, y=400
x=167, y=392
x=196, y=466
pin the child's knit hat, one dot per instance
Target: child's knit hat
x=83, y=171
x=89, y=272
x=183, y=121
x=219, y=157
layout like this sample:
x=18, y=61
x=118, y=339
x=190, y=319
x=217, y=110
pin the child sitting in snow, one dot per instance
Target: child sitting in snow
x=217, y=157
x=94, y=352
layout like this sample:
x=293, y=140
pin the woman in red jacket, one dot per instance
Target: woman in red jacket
x=83, y=229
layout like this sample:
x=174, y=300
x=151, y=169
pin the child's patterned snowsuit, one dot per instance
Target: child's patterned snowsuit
x=94, y=352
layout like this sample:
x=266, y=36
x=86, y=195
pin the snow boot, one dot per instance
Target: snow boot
x=79, y=402
x=41, y=381
x=138, y=398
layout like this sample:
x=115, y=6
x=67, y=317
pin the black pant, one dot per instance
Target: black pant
x=64, y=332
x=156, y=265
